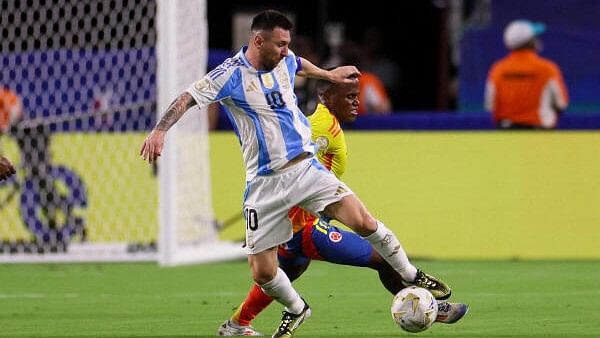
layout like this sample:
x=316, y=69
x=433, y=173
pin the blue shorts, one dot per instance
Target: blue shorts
x=325, y=242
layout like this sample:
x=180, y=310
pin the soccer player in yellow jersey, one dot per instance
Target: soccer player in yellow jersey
x=313, y=237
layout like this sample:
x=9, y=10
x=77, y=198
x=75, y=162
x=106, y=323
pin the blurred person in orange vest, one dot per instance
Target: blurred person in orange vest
x=523, y=89
x=11, y=110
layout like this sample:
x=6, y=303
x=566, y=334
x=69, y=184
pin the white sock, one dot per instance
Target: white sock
x=388, y=246
x=281, y=289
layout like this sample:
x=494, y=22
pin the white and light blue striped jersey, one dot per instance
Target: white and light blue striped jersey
x=262, y=108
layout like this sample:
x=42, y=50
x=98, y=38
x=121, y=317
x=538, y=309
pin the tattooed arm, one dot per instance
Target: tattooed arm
x=175, y=111
x=153, y=144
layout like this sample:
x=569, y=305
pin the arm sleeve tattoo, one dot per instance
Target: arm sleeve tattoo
x=176, y=109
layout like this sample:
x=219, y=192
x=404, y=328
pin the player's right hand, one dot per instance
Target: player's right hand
x=6, y=169
x=153, y=145
x=344, y=74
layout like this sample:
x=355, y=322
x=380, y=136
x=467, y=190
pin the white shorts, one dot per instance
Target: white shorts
x=268, y=200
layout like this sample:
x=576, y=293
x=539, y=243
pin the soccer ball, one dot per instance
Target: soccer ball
x=414, y=309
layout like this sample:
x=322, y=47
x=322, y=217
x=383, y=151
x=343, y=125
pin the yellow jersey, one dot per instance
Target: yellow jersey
x=332, y=153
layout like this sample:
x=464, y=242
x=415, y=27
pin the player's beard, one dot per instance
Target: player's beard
x=269, y=63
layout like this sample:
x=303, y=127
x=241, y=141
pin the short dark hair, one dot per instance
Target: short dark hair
x=270, y=19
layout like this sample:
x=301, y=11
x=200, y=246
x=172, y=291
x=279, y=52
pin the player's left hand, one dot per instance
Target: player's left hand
x=153, y=145
x=344, y=74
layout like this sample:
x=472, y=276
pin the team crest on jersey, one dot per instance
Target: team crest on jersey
x=335, y=236
x=322, y=142
x=267, y=80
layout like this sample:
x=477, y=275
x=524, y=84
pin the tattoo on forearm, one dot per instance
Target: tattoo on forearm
x=176, y=109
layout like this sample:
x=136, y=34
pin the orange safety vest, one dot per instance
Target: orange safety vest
x=527, y=89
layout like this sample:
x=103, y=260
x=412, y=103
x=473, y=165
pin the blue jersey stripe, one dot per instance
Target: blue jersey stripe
x=246, y=192
x=291, y=137
x=236, y=89
x=233, y=123
x=292, y=64
x=305, y=121
x=263, y=154
x=226, y=92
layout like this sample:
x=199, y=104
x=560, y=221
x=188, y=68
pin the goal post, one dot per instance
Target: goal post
x=92, y=78
x=188, y=231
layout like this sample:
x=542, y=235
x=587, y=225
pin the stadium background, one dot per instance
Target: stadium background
x=494, y=195
x=510, y=219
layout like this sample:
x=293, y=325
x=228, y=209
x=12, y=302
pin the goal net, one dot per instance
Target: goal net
x=81, y=84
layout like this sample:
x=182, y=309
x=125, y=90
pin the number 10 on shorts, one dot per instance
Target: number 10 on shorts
x=251, y=218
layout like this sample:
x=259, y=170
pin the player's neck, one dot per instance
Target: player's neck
x=253, y=57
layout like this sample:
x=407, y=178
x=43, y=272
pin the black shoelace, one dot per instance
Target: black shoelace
x=423, y=279
x=285, y=321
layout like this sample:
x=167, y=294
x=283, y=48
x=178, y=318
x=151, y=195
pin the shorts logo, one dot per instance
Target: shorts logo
x=335, y=236
x=340, y=190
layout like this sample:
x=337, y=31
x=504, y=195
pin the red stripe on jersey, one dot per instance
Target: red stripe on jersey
x=332, y=126
x=300, y=218
x=328, y=161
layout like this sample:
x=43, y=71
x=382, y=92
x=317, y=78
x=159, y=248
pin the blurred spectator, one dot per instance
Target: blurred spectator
x=6, y=168
x=11, y=108
x=525, y=90
x=374, y=61
x=10, y=111
x=305, y=88
x=373, y=98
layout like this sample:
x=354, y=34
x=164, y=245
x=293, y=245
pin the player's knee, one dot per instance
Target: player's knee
x=363, y=224
x=261, y=278
x=262, y=275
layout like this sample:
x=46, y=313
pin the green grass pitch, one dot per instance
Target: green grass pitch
x=507, y=298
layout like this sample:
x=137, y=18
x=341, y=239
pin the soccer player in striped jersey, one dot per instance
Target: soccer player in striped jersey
x=313, y=237
x=256, y=89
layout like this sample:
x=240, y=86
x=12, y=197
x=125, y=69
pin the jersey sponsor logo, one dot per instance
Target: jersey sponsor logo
x=519, y=76
x=335, y=236
x=267, y=80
